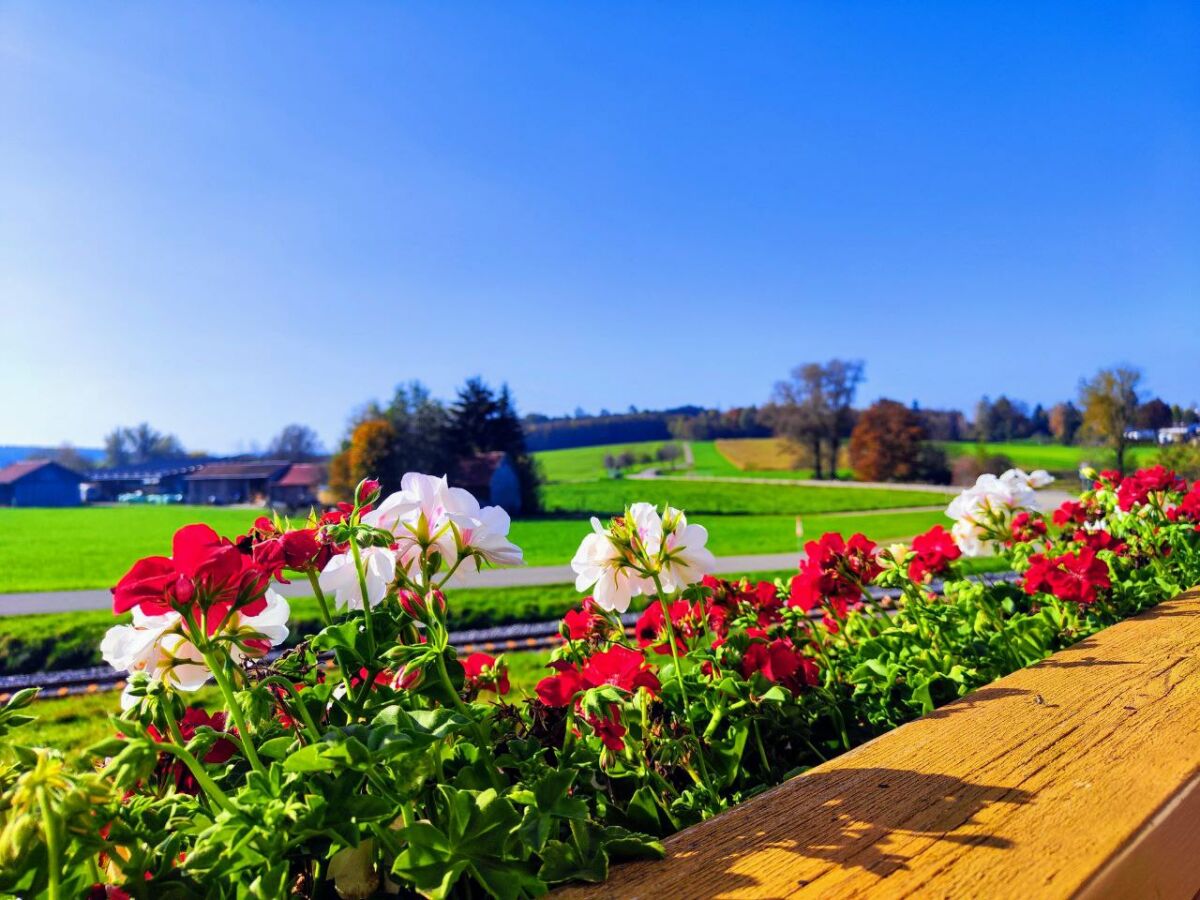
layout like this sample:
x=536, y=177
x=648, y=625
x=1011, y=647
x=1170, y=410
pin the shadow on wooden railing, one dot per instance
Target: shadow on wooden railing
x=1075, y=777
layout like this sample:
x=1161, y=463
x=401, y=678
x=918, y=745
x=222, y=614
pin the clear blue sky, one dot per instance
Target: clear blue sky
x=223, y=218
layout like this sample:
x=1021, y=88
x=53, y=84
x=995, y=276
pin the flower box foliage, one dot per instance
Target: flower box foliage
x=372, y=760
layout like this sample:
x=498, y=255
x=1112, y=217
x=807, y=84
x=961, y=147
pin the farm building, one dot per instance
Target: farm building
x=299, y=486
x=39, y=482
x=235, y=482
x=156, y=477
x=491, y=478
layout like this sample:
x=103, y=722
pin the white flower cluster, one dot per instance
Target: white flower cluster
x=982, y=511
x=619, y=563
x=425, y=515
x=158, y=646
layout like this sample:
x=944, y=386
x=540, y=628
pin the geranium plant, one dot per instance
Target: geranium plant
x=370, y=759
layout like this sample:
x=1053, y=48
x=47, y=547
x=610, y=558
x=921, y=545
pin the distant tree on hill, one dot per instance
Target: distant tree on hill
x=886, y=443
x=1155, y=414
x=141, y=443
x=814, y=409
x=669, y=453
x=1064, y=421
x=296, y=443
x=1110, y=402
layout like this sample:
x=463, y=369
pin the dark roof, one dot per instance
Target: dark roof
x=303, y=475
x=14, y=472
x=151, y=469
x=260, y=468
x=477, y=471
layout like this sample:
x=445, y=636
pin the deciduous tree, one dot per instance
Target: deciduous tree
x=886, y=443
x=1110, y=401
x=296, y=443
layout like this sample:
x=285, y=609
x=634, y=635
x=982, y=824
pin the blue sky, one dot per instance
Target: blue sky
x=223, y=218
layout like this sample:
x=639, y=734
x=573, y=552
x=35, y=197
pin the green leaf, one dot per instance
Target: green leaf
x=308, y=759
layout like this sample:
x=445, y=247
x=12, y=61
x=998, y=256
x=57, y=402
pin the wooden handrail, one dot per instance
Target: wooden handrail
x=1076, y=776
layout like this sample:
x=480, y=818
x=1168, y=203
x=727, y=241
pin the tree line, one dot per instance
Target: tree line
x=415, y=432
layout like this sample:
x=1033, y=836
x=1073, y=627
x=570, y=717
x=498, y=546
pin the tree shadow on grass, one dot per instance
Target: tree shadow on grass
x=875, y=819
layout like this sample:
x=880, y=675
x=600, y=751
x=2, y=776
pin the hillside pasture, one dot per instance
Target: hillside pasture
x=587, y=463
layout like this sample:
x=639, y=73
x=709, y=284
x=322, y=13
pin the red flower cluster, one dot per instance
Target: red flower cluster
x=935, y=550
x=779, y=661
x=1072, y=578
x=728, y=600
x=1189, y=507
x=618, y=666
x=1099, y=540
x=1141, y=484
x=834, y=573
x=274, y=550
x=484, y=675
x=584, y=623
x=204, y=571
x=1071, y=511
x=686, y=618
x=1027, y=527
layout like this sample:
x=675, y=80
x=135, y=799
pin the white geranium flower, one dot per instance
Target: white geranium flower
x=600, y=568
x=648, y=526
x=984, y=508
x=483, y=532
x=685, y=558
x=340, y=577
x=158, y=646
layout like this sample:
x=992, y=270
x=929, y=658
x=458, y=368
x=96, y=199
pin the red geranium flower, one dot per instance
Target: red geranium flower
x=779, y=662
x=1070, y=511
x=686, y=619
x=609, y=729
x=204, y=569
x=834, y=573
x=1072, y=578
x=618, y=666
x=484, y=675
x=1099, y=540
x=1141, y=484
x=935, y=550
x=585, y=622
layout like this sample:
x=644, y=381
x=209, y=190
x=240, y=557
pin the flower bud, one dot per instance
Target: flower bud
x=367, y=492
x=412, y=603
x=408, y=679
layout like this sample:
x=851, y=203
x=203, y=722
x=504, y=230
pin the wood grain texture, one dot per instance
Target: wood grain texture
x=1074, y=775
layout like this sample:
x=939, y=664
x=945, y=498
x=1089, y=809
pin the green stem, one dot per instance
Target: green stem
x=218, y=670
x=687, y=701
x=480, y=737
x=202, y=777
x=53, y=850
x=172, y=724
x=313, y=580
x=366, y=601
x=762, y=751
x=314, y=733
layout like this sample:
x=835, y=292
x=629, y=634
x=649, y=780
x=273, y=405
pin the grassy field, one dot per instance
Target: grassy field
x=91, y=547
x=1052, y=457
x=587, y=463
x=699, y=498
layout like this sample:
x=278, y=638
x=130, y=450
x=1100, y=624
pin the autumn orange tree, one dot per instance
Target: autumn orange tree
x=369, y=452
x=886, y=443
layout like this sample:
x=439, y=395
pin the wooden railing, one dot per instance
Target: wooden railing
x=1079, y=776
